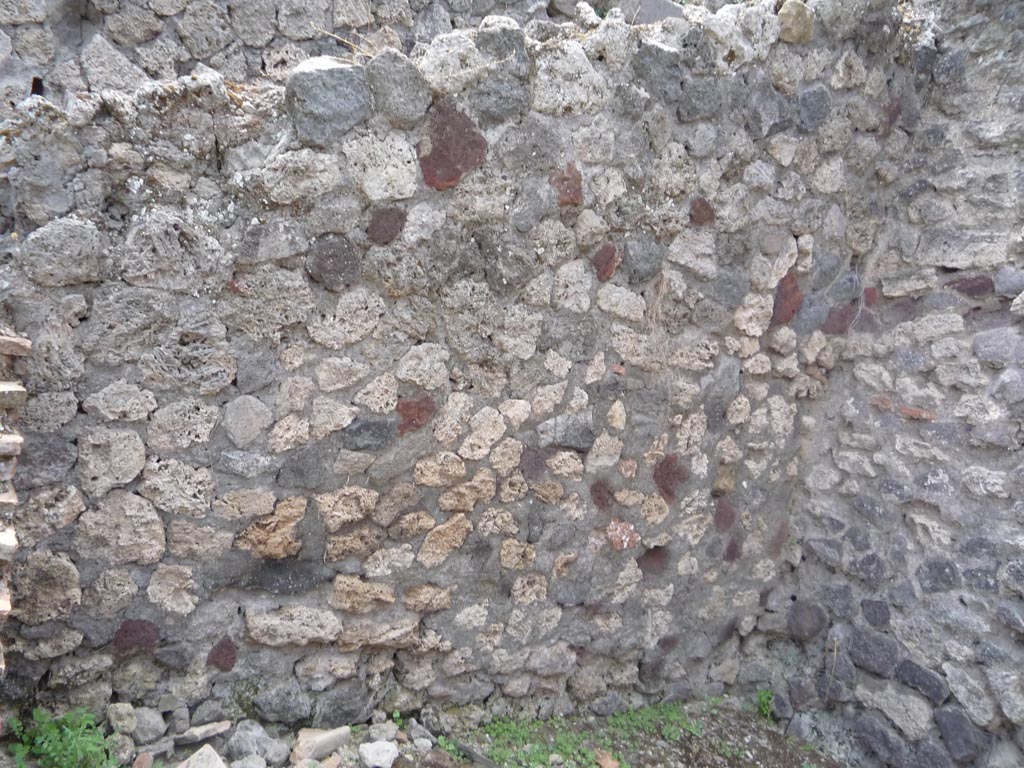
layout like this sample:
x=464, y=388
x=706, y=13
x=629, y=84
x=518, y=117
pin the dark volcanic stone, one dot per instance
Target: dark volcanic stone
x=386, y=224
x=880, y=740
x=873, y=652
x=928, y=754
x=44, y=460
x=454, y=148
x=876, y=613
x=806, y=620
x=930, y=684
x=334, y=262
x=287, y=577
x=366, y=434
x=813, y=106
x=642, y=257
x=963, y=740
x=938, y=575
x=871, y=569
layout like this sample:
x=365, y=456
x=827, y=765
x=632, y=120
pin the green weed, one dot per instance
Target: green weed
x=71, y=741
x=764, y=703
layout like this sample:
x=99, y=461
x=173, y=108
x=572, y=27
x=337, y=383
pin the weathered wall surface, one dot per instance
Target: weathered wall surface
x=561, y=366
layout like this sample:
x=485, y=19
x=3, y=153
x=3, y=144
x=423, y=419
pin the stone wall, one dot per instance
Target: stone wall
x=560, y=365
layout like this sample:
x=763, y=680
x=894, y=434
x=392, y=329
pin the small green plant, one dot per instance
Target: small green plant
x=764, y=703
x=396, y=716
x=450, y=747
x=71, y=741
x=729, y=750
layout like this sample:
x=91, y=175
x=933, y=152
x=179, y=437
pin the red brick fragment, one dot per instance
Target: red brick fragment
x=979, y=285
x=223, y=655
x=701, y=212
x=606, y=260
x=916, y=414
x=840, y=319
x=725, y=515
x=453, y=149
x=568, y=183
x=415, y=412
x=136, y=635
x=668, y=475
x=386, y=224
x=788, y=299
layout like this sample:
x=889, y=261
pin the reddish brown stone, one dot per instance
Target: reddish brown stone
x=415, y=412
x=654, y=561
x=733, y=550
x=622, y=535
x=788, y=299
x=136, y=635
x=386, y=224
x=223, y=655
x=778, y=539
x=979, y=285
x=916, y=414
x=701, y=212
x=870, y=296
x=840, y=319
x=725, y=515
x=668, y=475
x=605, y=261
x=568, y=184
x=601, y=494
x=454, y=147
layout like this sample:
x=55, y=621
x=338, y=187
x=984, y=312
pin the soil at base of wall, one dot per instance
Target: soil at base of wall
x=703, y=735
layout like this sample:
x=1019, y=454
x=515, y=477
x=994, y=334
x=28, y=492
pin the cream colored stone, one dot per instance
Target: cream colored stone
x=443, y=540
x=345, y=506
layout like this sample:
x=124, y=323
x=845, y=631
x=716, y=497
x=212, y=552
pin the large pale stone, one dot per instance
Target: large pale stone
x=124, y=528
x=46, y=588
x=345, y=506
x=276, y=535
x=170, y=588
x=121, y=401
x=796, y=22
x=424, y=365
x=354, y=595
x=443, y=540
x=108, y=458
x=439, y=470
x=245, y=418
x=293, y=625
x=176, y=487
